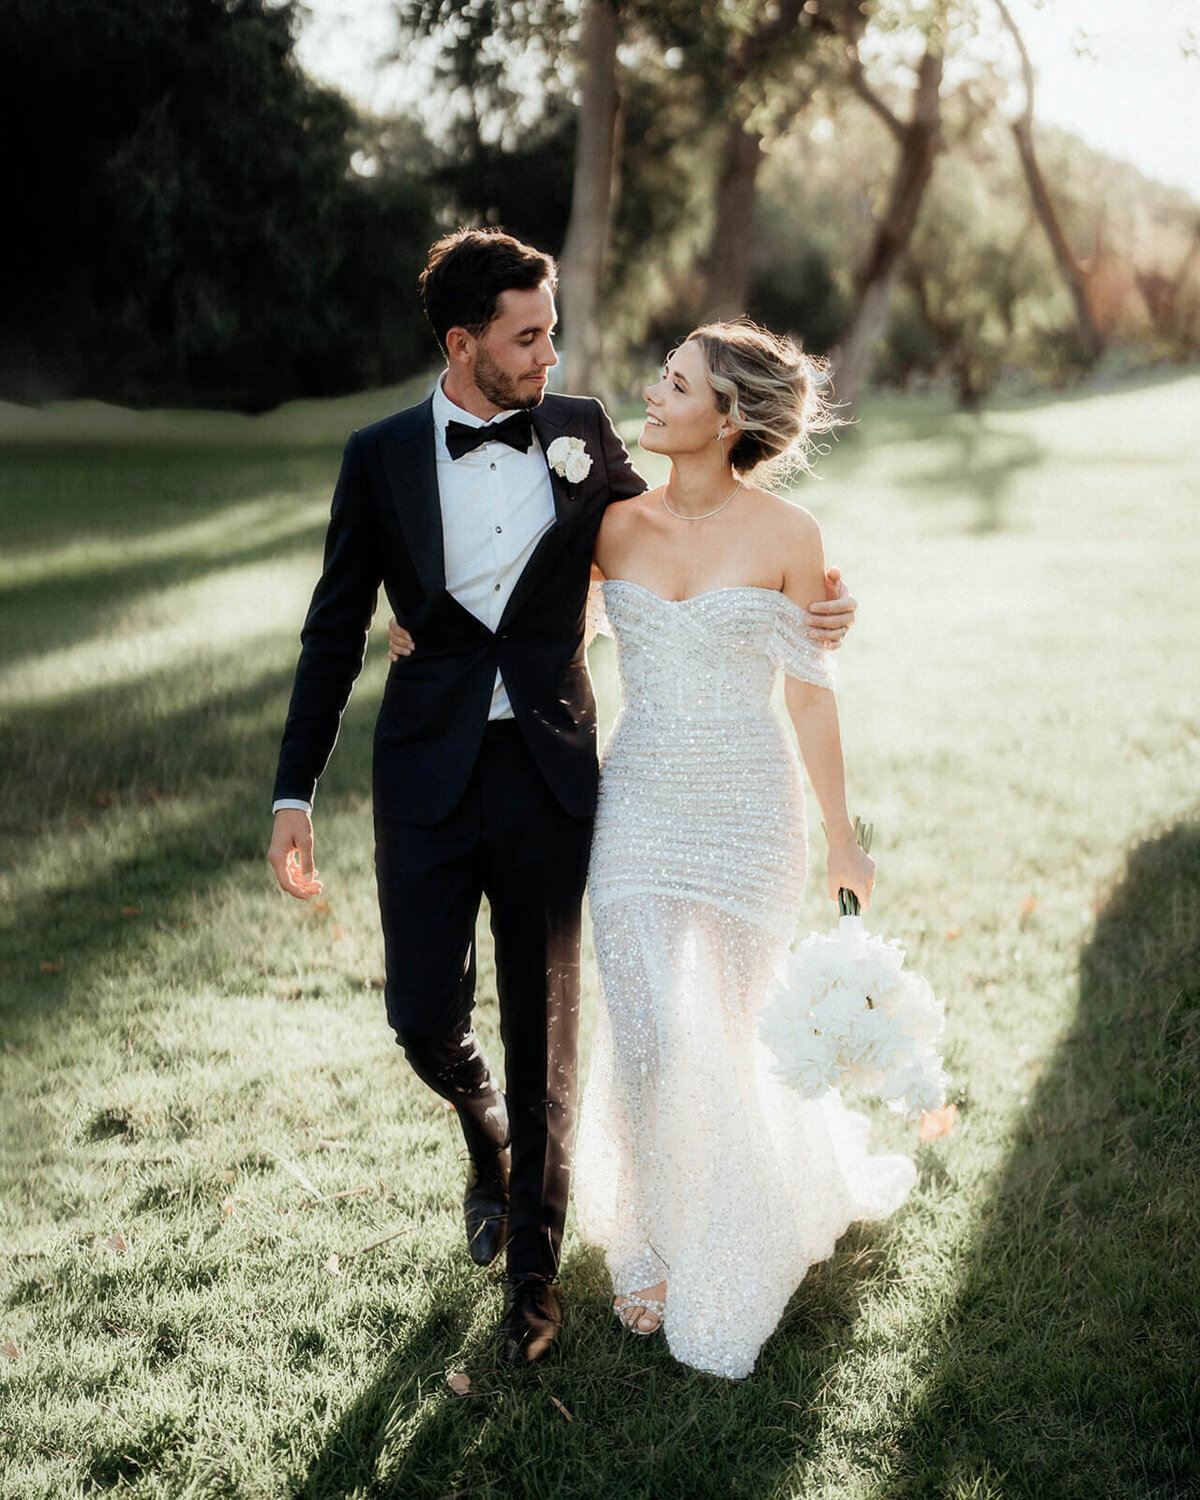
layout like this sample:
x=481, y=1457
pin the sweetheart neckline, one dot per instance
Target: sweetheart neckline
x=725, y=588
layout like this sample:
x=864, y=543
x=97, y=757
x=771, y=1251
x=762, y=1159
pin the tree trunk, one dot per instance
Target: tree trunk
x=728, y=269
x=726, y=265
x=593, y=199
x=1070, y=268
x=1161, y=295
x=919, y=140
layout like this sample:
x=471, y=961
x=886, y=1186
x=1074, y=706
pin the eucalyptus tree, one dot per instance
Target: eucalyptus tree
x=919, y=38
x=1072, y=269
x=507, y=66
x=765, y=61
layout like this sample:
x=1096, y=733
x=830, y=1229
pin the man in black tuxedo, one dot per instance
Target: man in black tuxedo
x=485, y=768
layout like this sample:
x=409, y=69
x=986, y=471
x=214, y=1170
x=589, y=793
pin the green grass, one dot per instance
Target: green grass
x=193, y=1069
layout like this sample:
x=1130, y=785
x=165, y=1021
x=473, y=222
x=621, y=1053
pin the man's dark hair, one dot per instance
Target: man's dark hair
x=466, y=272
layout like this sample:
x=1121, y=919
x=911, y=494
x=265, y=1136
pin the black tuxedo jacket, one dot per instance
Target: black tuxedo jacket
x=386, y=527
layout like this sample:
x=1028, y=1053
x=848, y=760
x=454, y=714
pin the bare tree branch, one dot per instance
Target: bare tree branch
x=858, y=80
x=1072, y=270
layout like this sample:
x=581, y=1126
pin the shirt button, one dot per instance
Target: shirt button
x=497, y=589
x=491, y=466
x=499, y=529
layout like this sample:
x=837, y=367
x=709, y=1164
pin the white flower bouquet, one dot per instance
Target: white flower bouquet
x=845, y=1014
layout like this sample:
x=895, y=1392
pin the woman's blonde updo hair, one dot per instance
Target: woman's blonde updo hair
x=770, y=391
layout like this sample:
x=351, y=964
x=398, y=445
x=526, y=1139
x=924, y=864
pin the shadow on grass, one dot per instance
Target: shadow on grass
x=981, y=466
x=144, y=808
x=56, y=496
x=963, y=456
x=610, y=1414
x=230, y=509
x=1068, y=1367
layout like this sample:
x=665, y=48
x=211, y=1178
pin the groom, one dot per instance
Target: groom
x=485, y=768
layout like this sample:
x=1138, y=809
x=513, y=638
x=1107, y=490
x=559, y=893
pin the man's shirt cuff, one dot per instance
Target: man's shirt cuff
x=291, y=802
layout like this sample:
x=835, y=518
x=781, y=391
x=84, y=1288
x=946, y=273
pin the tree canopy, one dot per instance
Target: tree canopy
x=201, y=222
x=190, y=226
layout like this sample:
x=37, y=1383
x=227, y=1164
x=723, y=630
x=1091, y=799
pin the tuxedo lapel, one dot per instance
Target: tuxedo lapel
x=411, y=467
x=550, y=420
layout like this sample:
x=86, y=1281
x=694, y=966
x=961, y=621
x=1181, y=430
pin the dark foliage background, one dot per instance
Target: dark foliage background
x=189, y=228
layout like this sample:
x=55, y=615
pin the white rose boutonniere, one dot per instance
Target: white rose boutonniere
x=569, y=457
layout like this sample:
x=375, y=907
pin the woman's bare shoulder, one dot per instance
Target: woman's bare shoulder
x=620, y=516
x=623, y=529
x=784, y=522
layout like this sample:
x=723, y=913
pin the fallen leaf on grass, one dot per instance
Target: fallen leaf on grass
x=333, y=1265
x=50, y=966
x=459, y=1383
x=321, y=906
x=228, y=1177
x=333, y=1197
x=9, y=1349
x=110, y=1327
x=935, y=1122
x=131, y=911
x=115, y=1241
x=375, y=1245
x=227, y=1207
x=1029, y=904
x=562, y=1408
x=952, y=933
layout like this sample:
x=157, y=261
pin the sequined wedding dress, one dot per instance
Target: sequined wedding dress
x=694, y=1165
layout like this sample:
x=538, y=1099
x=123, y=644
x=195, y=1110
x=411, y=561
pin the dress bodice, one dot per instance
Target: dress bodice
x=711, y=656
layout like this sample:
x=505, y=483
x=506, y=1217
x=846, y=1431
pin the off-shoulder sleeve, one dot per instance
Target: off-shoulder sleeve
x=597, y=615
x=792, y=652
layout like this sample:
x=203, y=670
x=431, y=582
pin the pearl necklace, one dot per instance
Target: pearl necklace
x=704, y=517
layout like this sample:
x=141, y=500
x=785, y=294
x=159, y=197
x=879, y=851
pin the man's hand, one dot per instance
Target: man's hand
x=291, y=854
x=830, y=618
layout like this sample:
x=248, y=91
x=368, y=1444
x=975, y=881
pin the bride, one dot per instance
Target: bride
x=710, y=1186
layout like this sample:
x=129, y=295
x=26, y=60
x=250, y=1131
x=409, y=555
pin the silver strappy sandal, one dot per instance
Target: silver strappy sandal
x=634, y=1303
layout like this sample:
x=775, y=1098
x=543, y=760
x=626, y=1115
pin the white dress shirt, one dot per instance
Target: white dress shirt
x=496, y=504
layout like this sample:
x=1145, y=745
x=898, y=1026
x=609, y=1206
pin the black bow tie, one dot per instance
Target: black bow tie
x=516, y=431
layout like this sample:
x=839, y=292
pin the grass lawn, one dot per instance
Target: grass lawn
x=233, y=1257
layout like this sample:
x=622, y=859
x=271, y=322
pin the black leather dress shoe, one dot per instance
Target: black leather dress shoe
x=485, y=1209
x=532, y=1322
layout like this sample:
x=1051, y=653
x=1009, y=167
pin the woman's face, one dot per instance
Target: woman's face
x=681, y=409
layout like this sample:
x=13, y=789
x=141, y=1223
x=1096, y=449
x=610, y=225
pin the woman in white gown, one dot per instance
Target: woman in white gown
x=710, y=1186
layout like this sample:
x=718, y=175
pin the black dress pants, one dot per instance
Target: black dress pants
x=508, y=839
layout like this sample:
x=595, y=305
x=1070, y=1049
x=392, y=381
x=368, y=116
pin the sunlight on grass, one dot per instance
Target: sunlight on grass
x=272, y=521
x=204, y=1103
x=231, y=608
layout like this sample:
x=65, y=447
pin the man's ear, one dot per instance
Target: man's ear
x=460, y=346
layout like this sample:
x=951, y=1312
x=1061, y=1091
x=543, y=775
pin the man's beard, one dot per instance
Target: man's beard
x=499, y=388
